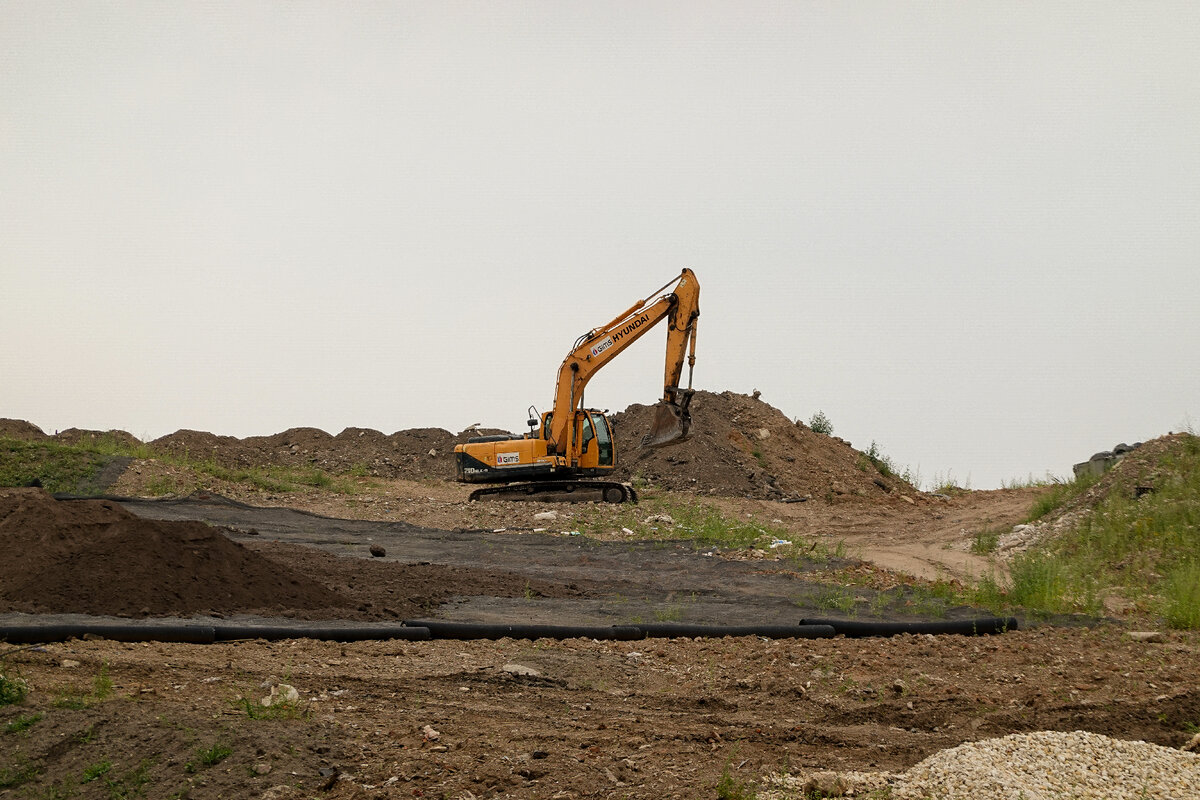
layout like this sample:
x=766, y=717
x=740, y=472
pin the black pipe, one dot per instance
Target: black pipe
x=329, y=632
x=116, y=631
x=673, y=630
x=965, y=627
x=442, y=629
x=202, y=634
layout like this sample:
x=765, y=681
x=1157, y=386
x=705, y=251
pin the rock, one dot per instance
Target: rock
x=824, y=784
x=908, y=500
x=281, y=693
x=664, y=519
x=280, y=792
x=763, y=433
x=1154, y=637
x=69, y=663
x=546, y=515
x=262, y=769
x=1193, y=746
x=377, y=551
x=430, y=734
x=899, y=686
x=520, y=670
x=1117, y=605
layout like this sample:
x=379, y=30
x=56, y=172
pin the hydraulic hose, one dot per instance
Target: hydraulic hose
x=442, y=629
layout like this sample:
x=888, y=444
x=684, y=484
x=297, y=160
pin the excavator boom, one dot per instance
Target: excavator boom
x=574, y=444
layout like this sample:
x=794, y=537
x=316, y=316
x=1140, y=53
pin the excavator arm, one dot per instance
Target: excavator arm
x=678, y=302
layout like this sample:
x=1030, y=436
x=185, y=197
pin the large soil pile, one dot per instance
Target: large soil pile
x=95, y=557
x=92, y=556
x=742, y=446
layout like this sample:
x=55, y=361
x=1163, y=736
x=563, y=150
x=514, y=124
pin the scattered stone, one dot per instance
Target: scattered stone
x=824, y=784
x=1193, y=746
x=430, y=734
x=899, y=686
x=69, y=663
x=546, y=515
x=281, y=693
x=377, y=551
x=1154, y=637
x=262, y=769
x=763, y=433
x=521, y=671
x=663, y=519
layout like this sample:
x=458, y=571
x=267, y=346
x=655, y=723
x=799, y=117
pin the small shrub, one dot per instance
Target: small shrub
x=730, y=788
x=13, y=688
x=821, y=423
x=214, y=755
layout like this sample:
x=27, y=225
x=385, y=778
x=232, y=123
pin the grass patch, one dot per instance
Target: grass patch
x=21, y=772
x=56, y=467
x=1135, y=545
x=95, y=771
x=209, y=756
x=59, y=467
x=279, y=710
x=22, y=724
x=1058, y=494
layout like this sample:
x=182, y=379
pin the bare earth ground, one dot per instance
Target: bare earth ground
x=572, y=719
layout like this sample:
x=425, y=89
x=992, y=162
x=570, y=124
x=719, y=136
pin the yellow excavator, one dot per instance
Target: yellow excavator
x=567, y=453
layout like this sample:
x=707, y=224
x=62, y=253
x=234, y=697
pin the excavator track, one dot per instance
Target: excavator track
x=560, y=492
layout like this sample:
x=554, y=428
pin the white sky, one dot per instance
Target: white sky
x=969, y=232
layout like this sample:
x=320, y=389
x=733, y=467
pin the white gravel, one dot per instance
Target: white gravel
x=1046, y=765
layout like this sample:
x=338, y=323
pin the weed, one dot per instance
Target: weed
x=161, y=485
x=131, y=784
x=819, y=423
x=210, y=756
x=23, y=724
x=22, y=772
x=730, y=788
x=1181, y=593
x=529, y=593
x=672, y=613
x=102, y=685
x=985, y=541
x=13, y=688
x=278, y=710
x=95, y=771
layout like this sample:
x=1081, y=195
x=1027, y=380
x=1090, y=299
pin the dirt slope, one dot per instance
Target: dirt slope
x=743, y=447
x=740, y=447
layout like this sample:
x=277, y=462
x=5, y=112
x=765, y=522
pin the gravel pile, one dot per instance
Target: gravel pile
x=1046, y=765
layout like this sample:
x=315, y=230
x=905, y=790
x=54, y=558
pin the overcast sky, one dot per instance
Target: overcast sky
x=969, y=232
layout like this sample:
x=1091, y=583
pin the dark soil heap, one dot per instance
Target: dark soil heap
x=94, y=557
x=742, y=446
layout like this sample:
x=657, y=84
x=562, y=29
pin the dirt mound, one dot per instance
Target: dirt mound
x=743, y=447
x=20, y=429
x=415, y=454
x=1137, y=473
x=94, y=557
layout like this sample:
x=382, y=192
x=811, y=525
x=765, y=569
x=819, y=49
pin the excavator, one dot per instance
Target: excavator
x=570, y=449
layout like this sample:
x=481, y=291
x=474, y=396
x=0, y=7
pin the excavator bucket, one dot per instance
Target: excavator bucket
x=671, y=424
